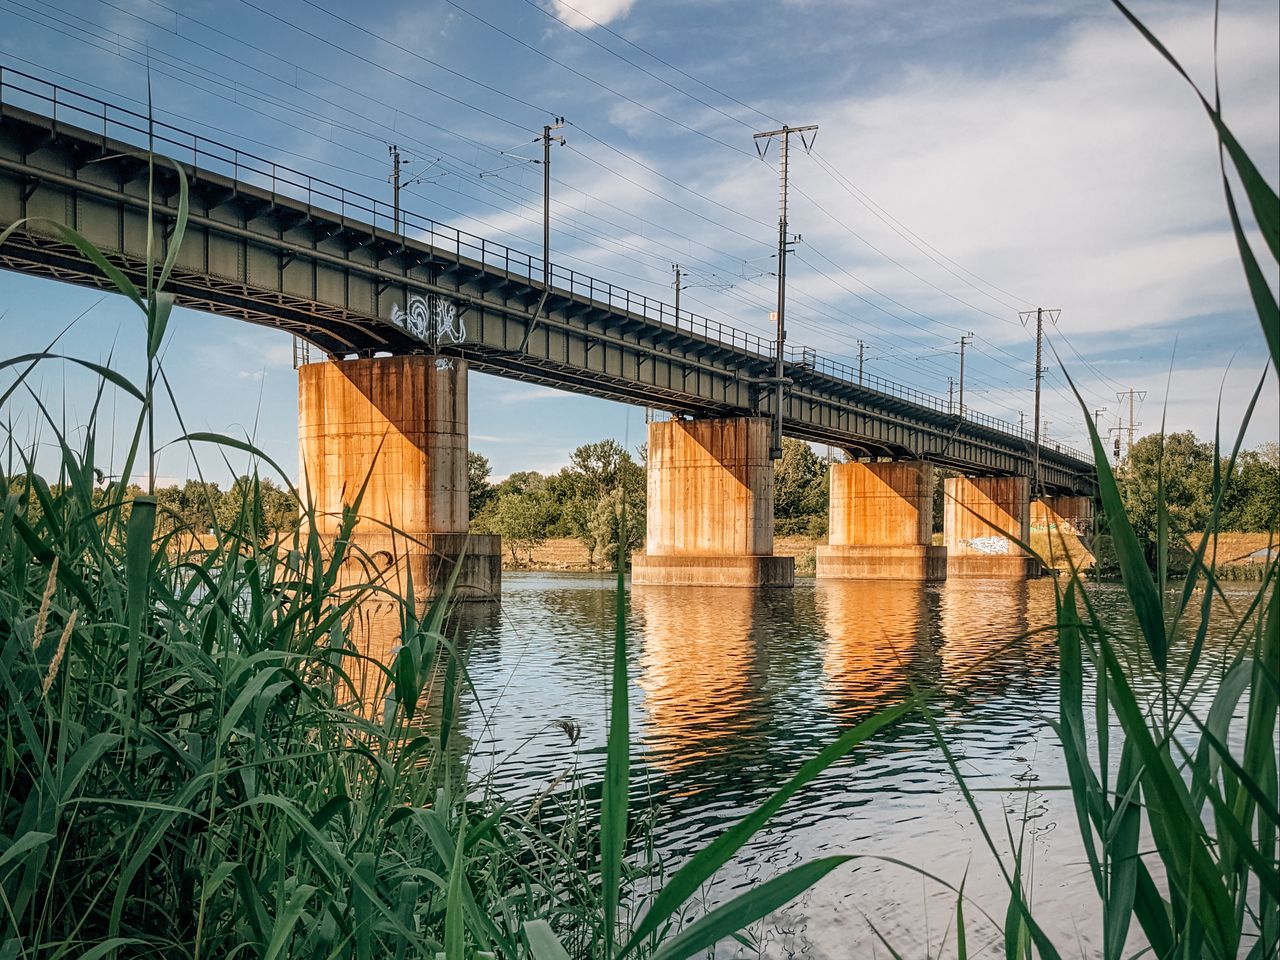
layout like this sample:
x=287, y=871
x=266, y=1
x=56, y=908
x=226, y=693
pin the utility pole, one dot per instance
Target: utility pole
x=775, y=444
x=1131, y=395
x=964, y=340
x=1025, y=315
x=395, y=188
x=676, y=268
x=862, y=348
x=1022, y=421
x=951, y=394
x=397, y=166
x=547, y=139
x=1097, y=420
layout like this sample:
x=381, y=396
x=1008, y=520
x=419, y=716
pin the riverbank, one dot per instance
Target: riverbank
x=568, y=555
x=1237, y=554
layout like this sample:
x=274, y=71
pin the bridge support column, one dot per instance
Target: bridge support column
x=1062, y=523
x=981, y=513
x=401, y=424
x=881, y=524
x=710, y=513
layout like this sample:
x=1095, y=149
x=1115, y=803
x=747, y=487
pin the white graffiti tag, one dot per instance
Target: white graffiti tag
x=994, y=546
x=428, y=317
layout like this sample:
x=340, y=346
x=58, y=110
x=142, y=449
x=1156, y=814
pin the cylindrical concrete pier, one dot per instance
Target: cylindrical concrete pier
x=710, y=509
x=396, y=429
x=881, y=524
x=983, y=516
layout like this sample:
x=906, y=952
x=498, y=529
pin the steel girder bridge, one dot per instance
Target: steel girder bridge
x=271, y=245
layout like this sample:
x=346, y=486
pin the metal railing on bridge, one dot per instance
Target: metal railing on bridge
x=203, y=154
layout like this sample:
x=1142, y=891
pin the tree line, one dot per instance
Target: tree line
x=586, y=500
x=1184, y=466
x=599, y=498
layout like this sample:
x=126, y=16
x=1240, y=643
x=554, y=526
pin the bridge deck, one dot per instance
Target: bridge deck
x=273, y=246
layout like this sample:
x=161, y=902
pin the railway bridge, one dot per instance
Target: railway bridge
x=401, y=307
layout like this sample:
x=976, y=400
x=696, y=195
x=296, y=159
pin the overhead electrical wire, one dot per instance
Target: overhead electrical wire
x=618, y=241
x=654, y=56
x=503, y=93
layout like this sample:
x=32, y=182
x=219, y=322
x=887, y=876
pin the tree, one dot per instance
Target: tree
x=479, y=489
x=595, y=472
x=800, y=488
x=522, y=520
x=1185, y=468
x=1252, y=501
x=612, y=528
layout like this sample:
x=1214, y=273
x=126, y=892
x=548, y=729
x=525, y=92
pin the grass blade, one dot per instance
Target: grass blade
x=746, y=908
x=617, y=775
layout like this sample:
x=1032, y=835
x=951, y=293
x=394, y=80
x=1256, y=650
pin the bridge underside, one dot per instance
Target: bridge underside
x=266, y=255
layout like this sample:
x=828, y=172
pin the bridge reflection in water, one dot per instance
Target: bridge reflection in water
x=703, y=671
x=735, y=689
x=725, y=674
x=878, y=638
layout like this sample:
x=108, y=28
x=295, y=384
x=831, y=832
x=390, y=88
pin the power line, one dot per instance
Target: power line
x=436, y=64
x=913, y=238
x=901, y=266
x=647, y=72
x=578, y=73
x=365, y=133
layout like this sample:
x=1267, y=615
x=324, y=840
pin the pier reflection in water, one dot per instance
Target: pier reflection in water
x=878, y=641
x=733, y=690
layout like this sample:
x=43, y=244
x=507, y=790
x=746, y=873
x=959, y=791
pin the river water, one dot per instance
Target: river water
x=732, y=690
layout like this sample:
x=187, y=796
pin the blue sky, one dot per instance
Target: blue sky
x=973, y=160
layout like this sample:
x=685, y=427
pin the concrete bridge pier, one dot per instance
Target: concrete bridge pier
x=1070, y=515
x=980, y=516
x=881, y=524
x=710, y=511
x=1062, y=524
x=401, y=424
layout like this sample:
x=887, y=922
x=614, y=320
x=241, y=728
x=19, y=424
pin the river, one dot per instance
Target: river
x=732, y=690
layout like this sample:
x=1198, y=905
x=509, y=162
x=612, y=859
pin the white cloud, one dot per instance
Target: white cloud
x=1087, y=181
x=585, y=14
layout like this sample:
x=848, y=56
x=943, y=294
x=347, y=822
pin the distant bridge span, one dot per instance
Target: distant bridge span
x=274, y=246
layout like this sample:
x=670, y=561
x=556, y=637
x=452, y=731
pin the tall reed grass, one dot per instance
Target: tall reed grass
x=1178, y=809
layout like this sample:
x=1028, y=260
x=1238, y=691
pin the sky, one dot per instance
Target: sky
x=973, y=161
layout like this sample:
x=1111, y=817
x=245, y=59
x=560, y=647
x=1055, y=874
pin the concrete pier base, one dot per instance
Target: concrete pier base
x=981, y=516
x=911, y=562
x=714, y=571
x=710, y=509
x=396, y=428
x=881, y=524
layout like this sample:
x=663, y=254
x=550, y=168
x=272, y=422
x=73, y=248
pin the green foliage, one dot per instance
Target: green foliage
x=801, y=490
x=204, y=763
x=1253, y=492
x=1181, y=834
x=601, y=477
x=479, y=489
x=800, y=486
x=1173, y=475
x=1173, y=472
x=523, y=520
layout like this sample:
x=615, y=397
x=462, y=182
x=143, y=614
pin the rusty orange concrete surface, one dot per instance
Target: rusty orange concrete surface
x=982, y=518
x=881, y=524
x=881, y=504
x=710, y=509
x=396, y=427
